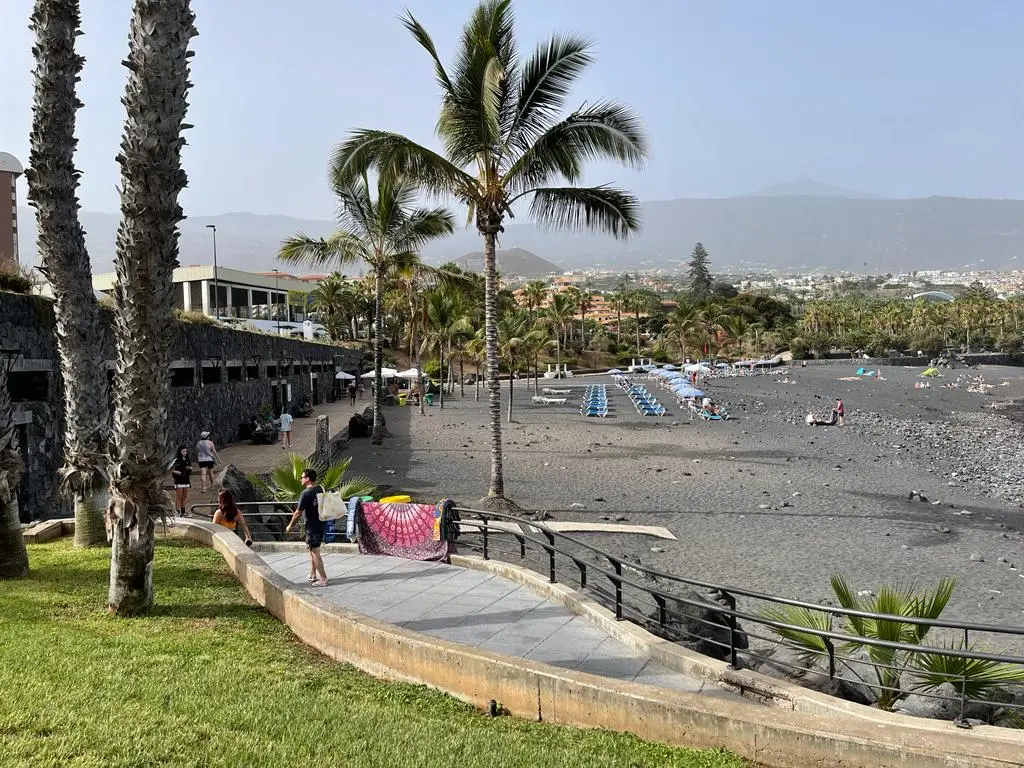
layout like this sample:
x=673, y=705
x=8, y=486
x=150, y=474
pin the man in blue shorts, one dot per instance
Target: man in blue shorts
x=310, y=506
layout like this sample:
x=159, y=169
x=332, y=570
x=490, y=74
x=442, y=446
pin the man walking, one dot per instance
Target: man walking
x=309, y=505
x=286, y=429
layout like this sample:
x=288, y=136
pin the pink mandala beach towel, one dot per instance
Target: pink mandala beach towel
x=401, y=530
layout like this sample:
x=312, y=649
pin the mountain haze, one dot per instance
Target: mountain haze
x=765, y=230
x=512, y=262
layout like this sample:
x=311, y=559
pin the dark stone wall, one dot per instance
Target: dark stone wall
x=27, y=323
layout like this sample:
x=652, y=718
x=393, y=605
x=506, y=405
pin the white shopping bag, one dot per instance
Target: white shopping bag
x=331, y=506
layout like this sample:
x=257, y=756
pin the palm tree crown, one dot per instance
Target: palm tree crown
x=385, y=233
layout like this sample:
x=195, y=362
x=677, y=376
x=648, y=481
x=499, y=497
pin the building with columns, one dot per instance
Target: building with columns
x=10, y=170
x=266, y=300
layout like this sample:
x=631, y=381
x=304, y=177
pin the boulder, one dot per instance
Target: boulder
x=265, y=527
x=697, y=624
x=946, y=708
x=783, y=662
x=242, y=488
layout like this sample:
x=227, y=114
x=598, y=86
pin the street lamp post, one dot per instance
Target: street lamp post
x=277, y=290
x=216, y=284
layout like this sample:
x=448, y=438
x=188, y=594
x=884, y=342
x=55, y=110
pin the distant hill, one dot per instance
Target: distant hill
x=513, y=262
x=811, y=188
x=768, y=230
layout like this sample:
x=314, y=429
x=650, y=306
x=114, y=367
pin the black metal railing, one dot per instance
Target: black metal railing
x=730, y=623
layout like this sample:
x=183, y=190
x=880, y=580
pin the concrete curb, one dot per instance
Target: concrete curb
x=809, y=732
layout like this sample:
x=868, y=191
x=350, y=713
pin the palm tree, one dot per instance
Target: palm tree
x=574, y=296
x=53, y=192
x=617, y=302
x=386, y=233
x=334, y=301
x=558, y=315
x=446, y=322
x=514, y=329
x=584, y=303
x=145, y=257
x=500, y=120
x=13, y=555
x=476, y=348
x=534, y=293
x=639, y=303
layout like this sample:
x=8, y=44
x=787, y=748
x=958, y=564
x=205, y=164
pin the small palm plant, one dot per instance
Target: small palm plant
x=906, y=602
x=285, y=483
x=973, y=679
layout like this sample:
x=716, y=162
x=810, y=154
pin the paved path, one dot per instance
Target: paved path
x=481, y=610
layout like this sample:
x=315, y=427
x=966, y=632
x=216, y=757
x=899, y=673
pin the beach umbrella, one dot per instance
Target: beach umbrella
x=387, y=373
x=411, y=373
x=669, y=367
x=343, y=375
x=697, y=367
x=614, y=372
x=673, y=375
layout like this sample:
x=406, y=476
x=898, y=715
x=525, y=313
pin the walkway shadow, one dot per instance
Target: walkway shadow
x=473, y=619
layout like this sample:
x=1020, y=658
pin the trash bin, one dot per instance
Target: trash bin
x=429, y=398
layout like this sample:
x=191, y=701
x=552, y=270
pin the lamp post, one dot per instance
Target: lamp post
x=216, y=285
x=277, y=290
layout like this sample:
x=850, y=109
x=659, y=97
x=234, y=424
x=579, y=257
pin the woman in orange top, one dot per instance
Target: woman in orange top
x=229, y=515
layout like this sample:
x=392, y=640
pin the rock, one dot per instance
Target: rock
x=657, y=549
x=238, y=483
x=764, y=506
x=787, y=663
x=945, y=708
x=976, y=558
x=697, y=625
x=942, y=529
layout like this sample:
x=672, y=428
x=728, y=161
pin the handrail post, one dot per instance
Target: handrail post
x=617, y=580
x=551, y=555
x=831, y=648
x=661, y=609
x=961, y=720
x=483, y=519
x=731, y=621
x=583, y=572
x=522, y=546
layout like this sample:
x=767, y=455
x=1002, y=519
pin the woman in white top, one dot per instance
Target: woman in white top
x=206, y=455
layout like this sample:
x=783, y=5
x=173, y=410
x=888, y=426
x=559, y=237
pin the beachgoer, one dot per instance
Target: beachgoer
x=309, y=505
x=206, y=457
x=352, y=393
x=286, y=429
x=181, y=473
x=230, y=516
x=840, y=412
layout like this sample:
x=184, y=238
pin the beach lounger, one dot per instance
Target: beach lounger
x=540, y=400
x=553, y=391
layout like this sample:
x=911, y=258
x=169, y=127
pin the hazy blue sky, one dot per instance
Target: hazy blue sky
x=899, y=98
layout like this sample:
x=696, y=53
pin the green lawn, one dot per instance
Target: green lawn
x=211, y=679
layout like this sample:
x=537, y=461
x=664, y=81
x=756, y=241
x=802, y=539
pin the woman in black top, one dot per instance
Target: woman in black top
x=181, y=472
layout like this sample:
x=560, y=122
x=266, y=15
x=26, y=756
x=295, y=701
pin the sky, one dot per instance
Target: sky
x=899, y=98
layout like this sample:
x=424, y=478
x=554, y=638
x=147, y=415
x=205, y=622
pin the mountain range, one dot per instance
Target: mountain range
x=796, y=226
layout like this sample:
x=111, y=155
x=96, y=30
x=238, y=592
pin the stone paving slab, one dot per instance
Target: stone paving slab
x=479, y=609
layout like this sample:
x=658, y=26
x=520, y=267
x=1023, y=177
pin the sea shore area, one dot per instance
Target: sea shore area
x=762, y=500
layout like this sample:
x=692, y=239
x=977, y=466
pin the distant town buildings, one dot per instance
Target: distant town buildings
x=10, y=169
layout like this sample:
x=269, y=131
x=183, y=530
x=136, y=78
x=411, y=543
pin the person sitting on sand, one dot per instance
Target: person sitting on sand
x=708, y=405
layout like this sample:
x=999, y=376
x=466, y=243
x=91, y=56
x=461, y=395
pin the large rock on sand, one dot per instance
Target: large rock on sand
x=242, y=488
x=697, y=624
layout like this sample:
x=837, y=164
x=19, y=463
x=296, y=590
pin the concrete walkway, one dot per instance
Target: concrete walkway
x=480, y=610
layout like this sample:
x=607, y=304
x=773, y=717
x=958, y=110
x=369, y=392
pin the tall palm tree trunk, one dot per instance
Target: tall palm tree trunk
x=477, y=382
x=638, y=334
x=462, y=374
x=618, y=327
x=416, y=359
x=496, y=488
x=13, y=555
x=441, y=376
x=377, y=433
x=146, y=255
x=53, y=192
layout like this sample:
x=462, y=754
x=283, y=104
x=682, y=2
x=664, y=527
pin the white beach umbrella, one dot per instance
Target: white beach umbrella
x=387, y=373
x=412, y=373
x=343, y=375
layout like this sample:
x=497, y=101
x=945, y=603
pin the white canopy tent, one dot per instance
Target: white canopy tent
x=343, y=375
x=411, y=373
x=387, y=373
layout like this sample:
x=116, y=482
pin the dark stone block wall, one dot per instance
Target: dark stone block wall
x=27, y=323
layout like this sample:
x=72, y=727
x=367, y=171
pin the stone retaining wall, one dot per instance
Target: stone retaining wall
x=197, y=350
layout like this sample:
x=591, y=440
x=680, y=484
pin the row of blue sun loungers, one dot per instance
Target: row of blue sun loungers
x=646, y=404
x=595, y=401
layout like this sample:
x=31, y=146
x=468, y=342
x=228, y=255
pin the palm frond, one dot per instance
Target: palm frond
x=339, y=248
x=605, y=131
x=931, y=605
x=393, y=154
x=973, y=678
x=850, y=601
x=547, y=78
x=422, y=225
x=423, y=38
x=809, y=645
x=603, y=208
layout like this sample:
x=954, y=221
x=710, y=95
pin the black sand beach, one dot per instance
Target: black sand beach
x=763, y=500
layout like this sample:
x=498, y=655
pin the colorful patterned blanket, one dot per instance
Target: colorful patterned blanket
x=412, y=531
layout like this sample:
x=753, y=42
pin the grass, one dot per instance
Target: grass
x=211, y=679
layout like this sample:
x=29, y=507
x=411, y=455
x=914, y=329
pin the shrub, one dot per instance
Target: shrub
x=15, y=281
x=285, y=482
x=1009, y=343
x=800, y=348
